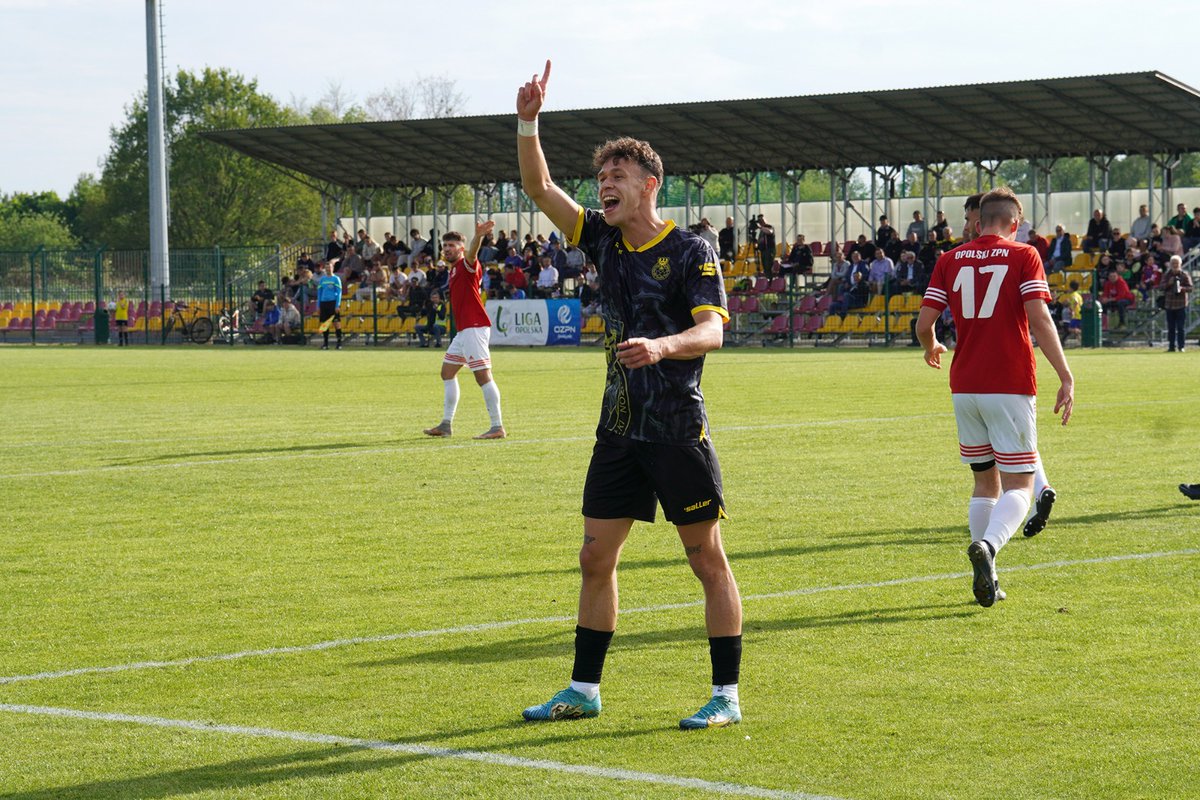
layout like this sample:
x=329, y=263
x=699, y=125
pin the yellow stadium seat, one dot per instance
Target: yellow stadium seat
x=1085, y=261
x=594, y=324
x=311, y=324
x=912, y=302
x=1055, y=279
x=875, y=305
x=408, y=325
x=832, y=324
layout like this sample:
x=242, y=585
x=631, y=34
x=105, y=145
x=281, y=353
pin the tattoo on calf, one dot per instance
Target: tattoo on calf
x=588, y=539
x=691, y=551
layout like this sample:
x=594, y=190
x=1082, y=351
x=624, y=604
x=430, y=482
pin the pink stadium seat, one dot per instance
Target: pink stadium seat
x=749, y=305
x=760, y=285
x=89, y=307
x=6, y=307
x=798, y=321
x=14, y=324
x=817, y=248
x=25, y=324
x=141, y=308
x=735, y=304
x=814, y=323
x=310, y=310
x=778, y=324
x=808, y=304
x=824, y=303
x=846, y=246
x=778, y=285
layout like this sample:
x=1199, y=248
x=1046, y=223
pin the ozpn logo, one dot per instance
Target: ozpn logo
x=662, y=269
x=501, y=328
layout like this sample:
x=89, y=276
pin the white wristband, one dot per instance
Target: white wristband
x=527, y=127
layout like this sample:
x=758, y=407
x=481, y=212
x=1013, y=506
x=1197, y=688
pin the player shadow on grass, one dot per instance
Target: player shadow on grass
x=558, y=642
x=323, y=763
x=246, y=773
x=951, y=534
x=300, y=448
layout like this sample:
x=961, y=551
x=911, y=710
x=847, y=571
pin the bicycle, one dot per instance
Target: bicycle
x=241, y=323
x=197, y=328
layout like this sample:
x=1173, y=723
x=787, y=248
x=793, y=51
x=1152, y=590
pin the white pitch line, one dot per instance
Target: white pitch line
x=498, y=625
x=427, y=751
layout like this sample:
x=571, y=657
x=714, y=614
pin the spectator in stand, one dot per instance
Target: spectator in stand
x=487, y=251
x=589, y=298
x=547, y=279
x=1023, y=230
x=1118, y=246
x=1039, y=243
x=514, y=274
x=1172, y=243
x=727, y=238
x=911, y=244
x=1152, y=244
x=885, y=234
x=333, y=250
x=439, y=280
x=433, y=311
x=270, y=320
x=1071, y=303
x=839, y=273
x=369, y=248
x=857, y=264
x=304, y=262
x=929, y=252
x=260, y=297
x=398, y=283
x=941, y=227
x=752, y=231
x=575, y=264
x=1176, y=285
x=800, y=259
x=766, y=241
x=418, y=294
x=416, y=246
x=513, y=260
x=1140, y=229
x=1115, y=295
x=908, y=274
x=708, y=234
x=351, y=265
x=1191, y=234
x=855, y=296
x=1181, y=220
x=864, y=247
x=1060, y=251
x=558, y=258
x=1150, y=278
x=881, y=272
x=1099, y=233
x=289, y=320
x=917, y=226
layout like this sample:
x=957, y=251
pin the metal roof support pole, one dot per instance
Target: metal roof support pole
x=1168, y=164
x=367, y=221
x=395, y=211
x=354, y=211
x=1150, y=162
x=700, y=191
x=324, y=216
x=925, y=195
x=1048, y=171
x=475, y=201
x=1034, y=219
x=871, y=233
x=978, y=177
x=1092, y=185
x=938, y=174
x=837, y=208
x=687, y=201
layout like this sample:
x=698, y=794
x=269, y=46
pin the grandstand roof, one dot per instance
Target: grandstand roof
x=1100, y=115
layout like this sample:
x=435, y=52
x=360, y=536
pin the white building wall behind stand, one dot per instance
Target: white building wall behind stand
x=1070, y=209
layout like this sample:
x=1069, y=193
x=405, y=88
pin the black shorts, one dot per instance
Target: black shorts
x=627, y=477
x=327, y=309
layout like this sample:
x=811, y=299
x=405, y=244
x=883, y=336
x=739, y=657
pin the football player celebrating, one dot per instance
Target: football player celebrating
x=663, y=302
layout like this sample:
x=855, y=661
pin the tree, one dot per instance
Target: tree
x=29, y=221
x=217, y=196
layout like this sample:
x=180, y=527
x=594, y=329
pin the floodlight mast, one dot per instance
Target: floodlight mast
x=160, y=273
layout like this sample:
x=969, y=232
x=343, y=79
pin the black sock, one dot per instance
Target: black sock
x=326, y=335
x=339, y=335
x=726, y=655
x=590, y=648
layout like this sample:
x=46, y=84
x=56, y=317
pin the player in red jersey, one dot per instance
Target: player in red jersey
x=996, y=289
x=470, y=344
x=1044, y=494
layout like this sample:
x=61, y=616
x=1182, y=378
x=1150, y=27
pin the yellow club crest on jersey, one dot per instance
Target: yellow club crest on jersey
x=662, y=269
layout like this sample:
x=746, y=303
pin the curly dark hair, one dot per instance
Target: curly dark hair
x=630, y=149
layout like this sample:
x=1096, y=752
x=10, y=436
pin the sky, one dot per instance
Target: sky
x=71, y=67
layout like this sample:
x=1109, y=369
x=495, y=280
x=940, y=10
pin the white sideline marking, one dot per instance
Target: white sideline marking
x=490, y=626
x=481, y=756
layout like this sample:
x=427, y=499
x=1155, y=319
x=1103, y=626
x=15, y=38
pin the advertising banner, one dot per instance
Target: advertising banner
x=535, y=322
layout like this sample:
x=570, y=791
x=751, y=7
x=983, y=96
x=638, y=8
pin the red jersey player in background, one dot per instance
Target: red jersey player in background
x=1043, y=493
x=470, y=343
x=996, y=290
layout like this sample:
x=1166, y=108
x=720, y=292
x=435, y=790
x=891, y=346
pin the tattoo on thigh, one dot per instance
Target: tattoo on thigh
x=588, y=539
x=691, y=551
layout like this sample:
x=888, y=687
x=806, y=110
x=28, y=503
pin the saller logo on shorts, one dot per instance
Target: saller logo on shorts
x=662, y=269
x=698, y=506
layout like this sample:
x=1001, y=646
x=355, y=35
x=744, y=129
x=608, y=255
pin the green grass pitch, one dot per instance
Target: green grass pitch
x=164, y=504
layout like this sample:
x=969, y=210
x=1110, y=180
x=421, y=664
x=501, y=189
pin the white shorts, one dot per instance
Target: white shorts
x=1002, y=427
x=470, y=349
